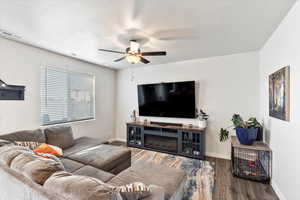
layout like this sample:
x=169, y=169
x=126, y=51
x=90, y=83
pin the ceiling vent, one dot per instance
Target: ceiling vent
x=9, y=35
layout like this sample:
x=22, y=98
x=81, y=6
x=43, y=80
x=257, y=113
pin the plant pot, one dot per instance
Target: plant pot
x=246, y=136
x=260, y=136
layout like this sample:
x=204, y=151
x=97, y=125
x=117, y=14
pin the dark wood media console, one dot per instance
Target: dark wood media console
x=178, y=140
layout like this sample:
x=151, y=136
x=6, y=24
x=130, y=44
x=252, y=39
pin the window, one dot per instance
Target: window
x=66, y=96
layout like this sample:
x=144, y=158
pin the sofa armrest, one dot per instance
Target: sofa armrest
x=15, y=186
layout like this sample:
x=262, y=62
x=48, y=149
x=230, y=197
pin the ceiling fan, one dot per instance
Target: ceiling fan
x=134, y=55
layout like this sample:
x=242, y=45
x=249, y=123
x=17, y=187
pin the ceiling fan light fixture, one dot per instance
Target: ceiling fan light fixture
x=133, y=53
x=134, y=46
x=133, y=59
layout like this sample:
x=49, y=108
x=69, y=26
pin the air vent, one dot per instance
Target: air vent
x=8, y=34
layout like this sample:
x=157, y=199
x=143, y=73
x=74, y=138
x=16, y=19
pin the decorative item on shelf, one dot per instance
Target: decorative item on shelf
x=196, y=153
x=202, y=117
x=145, y=121
x=246, y=131
x=134, y=116
x=187, y=150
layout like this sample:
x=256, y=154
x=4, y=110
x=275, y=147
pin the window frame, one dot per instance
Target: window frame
x=64, y=70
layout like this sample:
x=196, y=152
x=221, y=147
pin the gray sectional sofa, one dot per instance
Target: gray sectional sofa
x=87, y=157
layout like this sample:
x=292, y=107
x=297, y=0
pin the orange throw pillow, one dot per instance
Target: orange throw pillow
x=49, y=149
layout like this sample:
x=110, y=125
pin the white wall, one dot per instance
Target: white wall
x=283, y=49
x=226, y=85
x=20, y=65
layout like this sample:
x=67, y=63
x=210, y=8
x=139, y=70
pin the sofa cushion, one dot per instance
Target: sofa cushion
x=71, y=165
x=34, y=167
x=8, y=153
x=94, y=172
x=7, y=157
x=26, y=135
x=5, y=142
x=6, y=148
x=78, y=187
x=61, y=136
x=105, y=157
x=15, y=186
x=151, y=174
x=50, y=156
x=21, y=160
x=39, y=170
x=82, y=143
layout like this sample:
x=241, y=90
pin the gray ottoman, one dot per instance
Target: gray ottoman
x=172, y=180
x=113, y=159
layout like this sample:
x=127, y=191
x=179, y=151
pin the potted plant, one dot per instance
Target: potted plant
x=202, y=117
x=253, y=122
x=246, y=132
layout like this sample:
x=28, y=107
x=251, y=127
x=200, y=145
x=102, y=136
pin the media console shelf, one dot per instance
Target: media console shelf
x=178, y=140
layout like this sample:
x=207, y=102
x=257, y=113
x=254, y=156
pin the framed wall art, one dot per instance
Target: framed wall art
x=279, y=94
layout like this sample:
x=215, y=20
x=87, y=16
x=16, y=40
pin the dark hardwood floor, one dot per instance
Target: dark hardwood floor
x=228, y=187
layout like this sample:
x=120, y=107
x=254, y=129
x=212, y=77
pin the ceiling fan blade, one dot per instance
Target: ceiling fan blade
x=111, y=51
x=120, y=59
x=145, y=61
x=156, y=53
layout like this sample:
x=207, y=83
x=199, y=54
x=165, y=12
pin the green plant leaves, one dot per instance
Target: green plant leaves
x=238, y=122
x=224, y=134
x=252, y=122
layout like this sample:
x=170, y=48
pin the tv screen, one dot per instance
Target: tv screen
x=167, y=99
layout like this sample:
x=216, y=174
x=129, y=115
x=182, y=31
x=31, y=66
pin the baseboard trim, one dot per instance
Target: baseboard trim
x=113, y=139
x=277, y=190
x=215, y=155
x=118, y=139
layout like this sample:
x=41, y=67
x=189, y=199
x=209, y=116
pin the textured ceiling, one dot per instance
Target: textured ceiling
x=185, y=29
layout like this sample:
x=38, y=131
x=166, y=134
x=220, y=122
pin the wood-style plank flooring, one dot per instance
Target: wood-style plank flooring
x=228, y=187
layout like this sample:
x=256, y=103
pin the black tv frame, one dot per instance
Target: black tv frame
x=193, y=116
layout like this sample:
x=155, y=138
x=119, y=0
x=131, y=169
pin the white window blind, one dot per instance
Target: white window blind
x=66, y=96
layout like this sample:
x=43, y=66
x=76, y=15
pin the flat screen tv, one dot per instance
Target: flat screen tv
x=167, y=100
